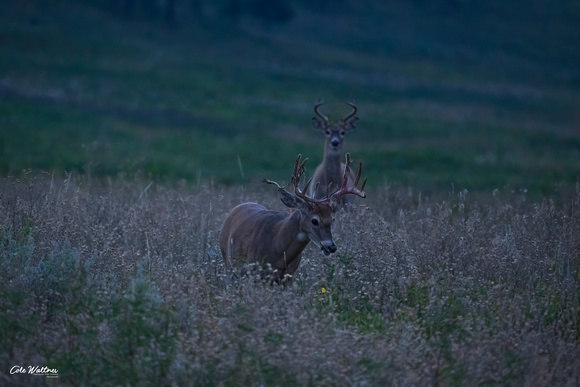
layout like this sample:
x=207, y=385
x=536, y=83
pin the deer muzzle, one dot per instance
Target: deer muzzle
x=328, y=247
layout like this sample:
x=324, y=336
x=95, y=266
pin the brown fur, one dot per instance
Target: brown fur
x=254, y=234
x=329, y=174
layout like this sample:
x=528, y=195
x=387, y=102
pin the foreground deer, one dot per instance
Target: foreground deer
x=328, y=175
x=254, y=234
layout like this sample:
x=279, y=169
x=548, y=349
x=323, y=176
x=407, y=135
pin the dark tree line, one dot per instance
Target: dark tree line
x=175, y=11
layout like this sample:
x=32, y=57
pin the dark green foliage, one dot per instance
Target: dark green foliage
x=467, y=94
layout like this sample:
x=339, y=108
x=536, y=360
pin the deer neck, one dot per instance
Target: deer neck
x=332, y=164
x=291, y=239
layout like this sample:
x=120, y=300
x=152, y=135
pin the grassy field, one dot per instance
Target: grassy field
x=125, y=142
x=474, y=96
x=123, y=284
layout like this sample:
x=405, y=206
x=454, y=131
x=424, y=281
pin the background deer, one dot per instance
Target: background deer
x=328, y=174
x=253, y=234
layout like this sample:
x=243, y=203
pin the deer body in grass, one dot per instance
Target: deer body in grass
x=328, y=175
x=254, y=234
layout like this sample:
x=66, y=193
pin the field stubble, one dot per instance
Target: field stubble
x=121, y=282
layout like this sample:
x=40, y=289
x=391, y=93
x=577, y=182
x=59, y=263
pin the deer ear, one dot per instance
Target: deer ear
x=290, y=200
x=318, y=123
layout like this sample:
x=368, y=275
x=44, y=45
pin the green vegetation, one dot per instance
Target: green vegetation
x=124, y=283
x=125, y=139
x=450, y=93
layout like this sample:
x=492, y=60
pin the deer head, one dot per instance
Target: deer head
x=334, y=131
x=317, y=214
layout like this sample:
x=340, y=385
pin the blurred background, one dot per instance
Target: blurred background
x=452, y=94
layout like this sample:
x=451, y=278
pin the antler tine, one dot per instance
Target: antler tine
x=305, y=189
x=299, y=169
x=344, y=190
x=271, y=182
x=354, y=110
x=362, y=188
x=319, y=104
x=356, y=180
x=328, y=190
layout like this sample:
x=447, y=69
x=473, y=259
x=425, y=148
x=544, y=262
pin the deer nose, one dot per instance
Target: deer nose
x=334, y=142
x=328, y=247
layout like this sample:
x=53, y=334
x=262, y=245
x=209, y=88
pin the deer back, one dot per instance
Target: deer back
x=254, y=234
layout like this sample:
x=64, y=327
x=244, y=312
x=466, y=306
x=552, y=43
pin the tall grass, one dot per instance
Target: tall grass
x=121, y=282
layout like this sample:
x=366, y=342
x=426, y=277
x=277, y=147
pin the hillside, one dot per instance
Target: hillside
x=475, y=95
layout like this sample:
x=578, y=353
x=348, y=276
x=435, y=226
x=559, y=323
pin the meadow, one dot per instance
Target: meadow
x=125, y=142
x=123, y=284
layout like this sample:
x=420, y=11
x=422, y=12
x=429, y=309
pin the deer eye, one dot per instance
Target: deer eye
x=327, y=131
x=342, y=132
x=315, y=222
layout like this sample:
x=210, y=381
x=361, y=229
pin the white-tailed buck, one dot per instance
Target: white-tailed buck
x=329, y=173
x=254, y=234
